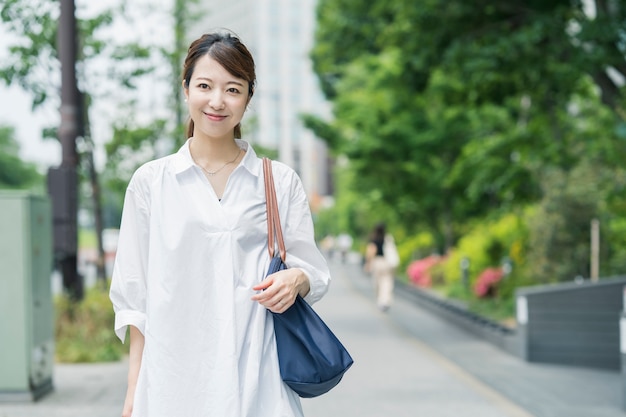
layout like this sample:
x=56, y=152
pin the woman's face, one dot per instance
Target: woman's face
x=216, y=99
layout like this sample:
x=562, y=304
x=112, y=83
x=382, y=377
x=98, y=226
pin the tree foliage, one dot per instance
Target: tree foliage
x=131, y=146
x=33, y=61
x=15, y=173
x=452, y=111
x=134, y=143
x=33, y=65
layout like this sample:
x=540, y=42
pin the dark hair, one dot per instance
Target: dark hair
x=230, y=53
x=378, y=234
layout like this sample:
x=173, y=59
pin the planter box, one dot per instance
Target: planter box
x=572, y=323
x=568, y=323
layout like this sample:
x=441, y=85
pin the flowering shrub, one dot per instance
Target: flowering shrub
x=487, y=281
x=419, y=271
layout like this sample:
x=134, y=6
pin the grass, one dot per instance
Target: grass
x=84, y=330
x=87, y=239
x=496, y=309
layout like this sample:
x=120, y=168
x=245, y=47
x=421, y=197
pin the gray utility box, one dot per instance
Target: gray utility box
x=572, y=323
x=26, y=309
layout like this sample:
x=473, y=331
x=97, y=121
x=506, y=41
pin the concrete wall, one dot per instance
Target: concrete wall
x=568, y=323
x=572, y=324
x=502, y=336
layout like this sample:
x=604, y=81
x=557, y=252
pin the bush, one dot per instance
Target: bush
x=419, y=272
x=487, y=282
x=616, y=241
x=487, y=245
x=84, y=330
x=415, y=247
x=560, y=229
x=501, y=310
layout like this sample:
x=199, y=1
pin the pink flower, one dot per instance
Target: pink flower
x=487, y=281
x=418, y=271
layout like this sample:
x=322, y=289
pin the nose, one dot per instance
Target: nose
x=216, y=100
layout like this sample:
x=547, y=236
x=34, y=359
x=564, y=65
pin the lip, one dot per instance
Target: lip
x=214, y=117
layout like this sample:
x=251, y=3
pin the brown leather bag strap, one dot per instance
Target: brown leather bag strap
x=274, y=228
x=268, y=205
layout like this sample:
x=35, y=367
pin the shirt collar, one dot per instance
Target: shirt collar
x=183, y=160
x=250, y=161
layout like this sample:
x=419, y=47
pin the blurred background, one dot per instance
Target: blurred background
x=490, y=137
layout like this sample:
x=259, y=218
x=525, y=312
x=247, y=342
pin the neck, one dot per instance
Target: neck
x=213, y=151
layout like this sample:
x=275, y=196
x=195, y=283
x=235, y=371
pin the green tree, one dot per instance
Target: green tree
x=33, y=60
x=132, y=143
x=14, y=172
x=559, y=237
x=450, y=111
x=131, y=146
x=34, y=65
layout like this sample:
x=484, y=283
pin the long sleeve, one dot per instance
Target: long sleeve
x=128, y=285
x=183, y=277
x=299, y=236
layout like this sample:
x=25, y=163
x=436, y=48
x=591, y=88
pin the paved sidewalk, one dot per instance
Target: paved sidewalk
x=542, y=390
x=395, y=374
x=81, y=390
x=408, y=362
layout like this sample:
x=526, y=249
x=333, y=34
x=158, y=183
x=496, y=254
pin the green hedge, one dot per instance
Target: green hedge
x=84, y=330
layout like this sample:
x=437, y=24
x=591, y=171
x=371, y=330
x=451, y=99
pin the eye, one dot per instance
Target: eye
x=233, y=90
x=203, y=86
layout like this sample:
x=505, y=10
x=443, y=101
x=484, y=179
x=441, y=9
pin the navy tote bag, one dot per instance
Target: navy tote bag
x=311, y=359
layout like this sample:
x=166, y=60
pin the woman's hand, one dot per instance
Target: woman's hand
x=127, y=411
x=370, y=253
x=281, y=289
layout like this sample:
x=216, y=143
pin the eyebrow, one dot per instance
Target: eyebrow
x=229, y=82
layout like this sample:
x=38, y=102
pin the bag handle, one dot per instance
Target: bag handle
x=273, y=217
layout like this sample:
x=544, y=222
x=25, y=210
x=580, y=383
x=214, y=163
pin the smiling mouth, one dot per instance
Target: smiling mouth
x=215, y=117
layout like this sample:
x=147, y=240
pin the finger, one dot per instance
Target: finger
x=263, y=284
x=268, y=297
x=271, y=300
x=281, y=306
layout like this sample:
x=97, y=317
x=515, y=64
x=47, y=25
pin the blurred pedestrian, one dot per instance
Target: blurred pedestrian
x=344, y=244
x=189, y=275
x=328, y=246
x=381, y=260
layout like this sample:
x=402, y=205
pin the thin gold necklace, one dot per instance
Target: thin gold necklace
x=210, y=174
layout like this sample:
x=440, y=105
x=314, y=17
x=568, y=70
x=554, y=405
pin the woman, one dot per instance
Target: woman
x=189, y=276
x=377, y=261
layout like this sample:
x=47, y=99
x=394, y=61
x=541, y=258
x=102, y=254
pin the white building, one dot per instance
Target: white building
x=279, y=34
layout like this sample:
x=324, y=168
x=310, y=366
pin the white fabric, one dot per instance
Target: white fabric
x=390, y=252
x=183, y=274
x=382, y=274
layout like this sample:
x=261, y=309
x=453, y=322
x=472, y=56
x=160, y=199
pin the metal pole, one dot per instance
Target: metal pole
x=622, y=344
x=595, y=250
x=465, y=264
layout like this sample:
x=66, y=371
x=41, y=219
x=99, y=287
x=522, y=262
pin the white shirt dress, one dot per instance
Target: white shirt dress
x=183, y=275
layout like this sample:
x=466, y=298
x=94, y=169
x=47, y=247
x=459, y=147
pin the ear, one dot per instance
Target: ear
x=185, y=90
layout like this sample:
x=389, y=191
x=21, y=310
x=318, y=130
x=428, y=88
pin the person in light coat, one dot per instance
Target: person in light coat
x=381, y=260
